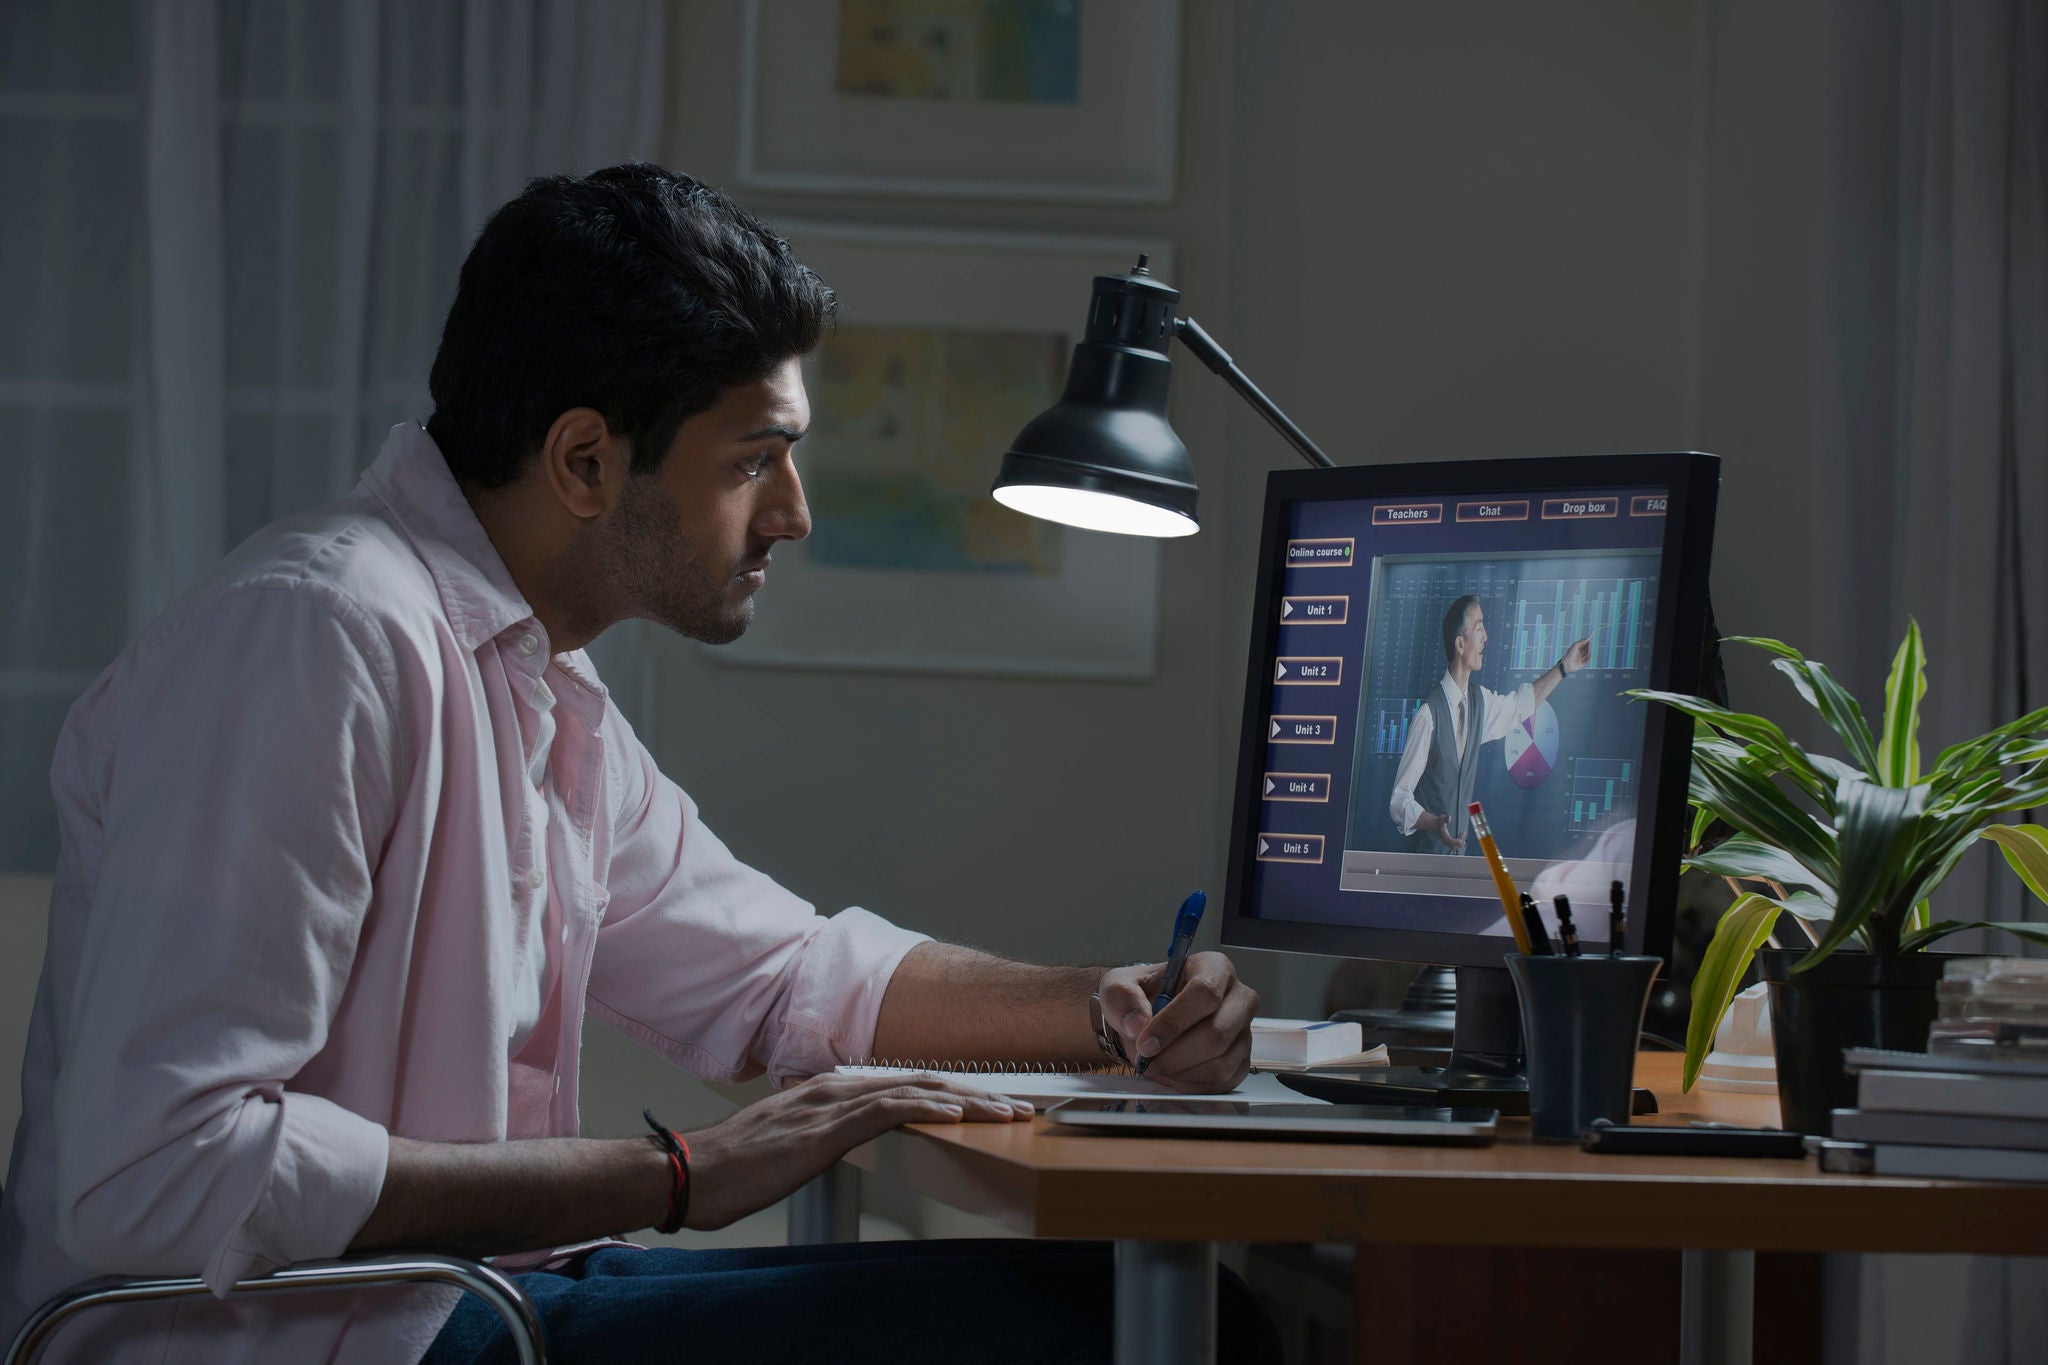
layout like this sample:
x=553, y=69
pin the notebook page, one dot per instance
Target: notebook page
x=1049, y=1087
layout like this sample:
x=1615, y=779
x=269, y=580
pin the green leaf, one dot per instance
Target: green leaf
x=1701, y=819
x=1756, y=806
x=1809, y=908
x=1741, y=931
x=2026, y=848
x=1778, y=647
x=1840, y=710
x=1899, y=752
x=1912, y=943
x=1878, y=833
x=1968, y=753
x=1743, y=856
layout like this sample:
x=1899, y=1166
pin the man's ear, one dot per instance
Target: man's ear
x=584, y=463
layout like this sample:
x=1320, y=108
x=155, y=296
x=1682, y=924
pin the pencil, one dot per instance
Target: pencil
x=1502, y=882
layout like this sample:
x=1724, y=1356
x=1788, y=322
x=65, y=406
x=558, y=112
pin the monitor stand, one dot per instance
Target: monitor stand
x=1484, y=1070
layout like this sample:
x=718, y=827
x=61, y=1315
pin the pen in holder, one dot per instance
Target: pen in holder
x=1580, y=1020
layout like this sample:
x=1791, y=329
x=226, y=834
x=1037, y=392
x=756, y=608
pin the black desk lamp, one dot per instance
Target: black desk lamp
x=1104, y=458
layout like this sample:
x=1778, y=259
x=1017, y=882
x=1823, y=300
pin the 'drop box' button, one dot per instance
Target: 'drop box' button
x=1290, y=848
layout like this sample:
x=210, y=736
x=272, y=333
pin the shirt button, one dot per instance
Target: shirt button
x=528, y=643
x=536, y=879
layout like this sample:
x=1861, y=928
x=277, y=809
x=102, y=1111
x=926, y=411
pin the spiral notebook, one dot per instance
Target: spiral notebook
x=1051, y=1083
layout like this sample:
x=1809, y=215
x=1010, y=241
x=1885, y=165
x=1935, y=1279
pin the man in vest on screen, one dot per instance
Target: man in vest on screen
x=1440, y=762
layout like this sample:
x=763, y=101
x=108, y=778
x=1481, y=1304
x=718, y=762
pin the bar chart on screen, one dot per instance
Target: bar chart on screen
x=1618, y=614
x=1390, y=721
x=1599, y=788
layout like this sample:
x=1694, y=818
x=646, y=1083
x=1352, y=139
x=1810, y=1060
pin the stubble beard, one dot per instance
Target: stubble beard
x=653, y=574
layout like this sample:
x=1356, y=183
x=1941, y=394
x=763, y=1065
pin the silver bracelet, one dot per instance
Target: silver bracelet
x=1111, y=1044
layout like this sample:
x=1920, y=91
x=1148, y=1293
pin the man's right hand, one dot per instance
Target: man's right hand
x=773, y=1146
x=1440, y=826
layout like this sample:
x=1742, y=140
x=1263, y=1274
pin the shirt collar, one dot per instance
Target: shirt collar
x=1450, y=687
x=412, y=478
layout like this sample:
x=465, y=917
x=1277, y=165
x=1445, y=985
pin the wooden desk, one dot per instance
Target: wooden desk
x=1166, y=1202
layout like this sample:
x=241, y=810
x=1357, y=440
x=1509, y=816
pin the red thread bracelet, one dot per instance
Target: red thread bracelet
x=679, y=1161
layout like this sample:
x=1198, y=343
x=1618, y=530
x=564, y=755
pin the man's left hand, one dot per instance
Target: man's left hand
x=1201, y=1043
x=1577, y=657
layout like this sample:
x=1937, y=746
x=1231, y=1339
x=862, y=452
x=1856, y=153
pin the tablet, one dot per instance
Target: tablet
x=1224, y=1118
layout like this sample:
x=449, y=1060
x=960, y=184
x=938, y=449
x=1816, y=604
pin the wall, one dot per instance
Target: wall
x=1429, y=235
x=995, y=811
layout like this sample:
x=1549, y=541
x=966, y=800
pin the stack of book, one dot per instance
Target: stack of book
x=1992, y=1007
x=1974, y=1106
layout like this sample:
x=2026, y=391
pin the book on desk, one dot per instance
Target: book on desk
x=1948, y=1116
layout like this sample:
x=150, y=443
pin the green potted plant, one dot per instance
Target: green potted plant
x=1854, y=850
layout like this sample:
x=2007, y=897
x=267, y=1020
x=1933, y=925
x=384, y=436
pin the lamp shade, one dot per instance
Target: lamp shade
x=1104, y=457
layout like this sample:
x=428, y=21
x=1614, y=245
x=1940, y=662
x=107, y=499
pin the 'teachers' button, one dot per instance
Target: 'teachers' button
x=1649, y=504
x=1308, y=671
x=1315, y=611
x=1408, y=514
x=1296, y=787
x=1302, y=730
x=1290, y=848
x=1512, y=510
x=1571, y=509
x=1334, y=552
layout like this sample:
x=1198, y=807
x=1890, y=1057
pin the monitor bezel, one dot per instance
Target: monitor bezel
x=1693, y=480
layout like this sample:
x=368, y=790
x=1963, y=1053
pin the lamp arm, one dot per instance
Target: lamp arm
x=1216, y=358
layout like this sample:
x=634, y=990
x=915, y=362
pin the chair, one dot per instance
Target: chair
x=493, y=1286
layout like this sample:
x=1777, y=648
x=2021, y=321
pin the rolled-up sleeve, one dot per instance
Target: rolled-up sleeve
x=712, y=964
x=244, y=799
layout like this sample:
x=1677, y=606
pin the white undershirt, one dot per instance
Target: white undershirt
x=1500, y=712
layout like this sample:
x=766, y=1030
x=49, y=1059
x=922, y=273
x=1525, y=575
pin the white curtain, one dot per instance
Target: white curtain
x=234, y=230
x=1931, y=451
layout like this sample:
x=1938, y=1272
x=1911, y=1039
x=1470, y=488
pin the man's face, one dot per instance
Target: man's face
x=693, y=538
x=1472, y=640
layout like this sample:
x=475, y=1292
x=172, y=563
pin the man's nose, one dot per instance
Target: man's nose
x=788, y=515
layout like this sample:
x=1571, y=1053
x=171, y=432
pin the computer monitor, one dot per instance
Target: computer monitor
x=1407, y=622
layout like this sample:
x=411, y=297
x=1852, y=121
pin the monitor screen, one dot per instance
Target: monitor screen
x=1427, y=636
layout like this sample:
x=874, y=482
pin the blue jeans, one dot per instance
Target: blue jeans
x=897, y=1302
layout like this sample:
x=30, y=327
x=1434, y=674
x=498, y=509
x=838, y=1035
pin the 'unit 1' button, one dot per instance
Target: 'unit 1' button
x=1290, y=848
x=1315, y=611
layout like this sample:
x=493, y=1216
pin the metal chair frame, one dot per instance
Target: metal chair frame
x=491, y=1285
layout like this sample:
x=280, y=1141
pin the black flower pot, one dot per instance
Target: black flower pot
x=1848, y=1000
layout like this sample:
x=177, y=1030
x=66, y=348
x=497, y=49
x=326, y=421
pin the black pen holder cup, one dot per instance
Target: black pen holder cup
x=1580, y=1020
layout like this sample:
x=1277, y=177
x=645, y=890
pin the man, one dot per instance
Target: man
x=1440, y=760
x=352, y=837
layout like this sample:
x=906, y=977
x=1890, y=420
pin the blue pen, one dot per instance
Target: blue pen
x=1184, y=925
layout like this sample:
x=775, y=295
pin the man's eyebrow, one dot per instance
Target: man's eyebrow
x=784, y=430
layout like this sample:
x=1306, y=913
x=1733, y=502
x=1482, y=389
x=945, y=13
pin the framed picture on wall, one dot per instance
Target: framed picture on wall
x=1019, y=99
x=947, y=343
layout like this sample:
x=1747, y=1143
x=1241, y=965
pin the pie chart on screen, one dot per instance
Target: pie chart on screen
x=1531, y=748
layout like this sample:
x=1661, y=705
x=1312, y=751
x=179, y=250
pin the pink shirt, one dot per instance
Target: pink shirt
x=305, y=825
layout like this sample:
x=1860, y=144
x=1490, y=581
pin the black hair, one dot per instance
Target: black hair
x=1454, y=625
x=635, y=291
